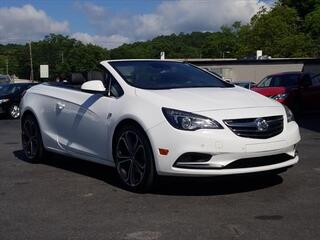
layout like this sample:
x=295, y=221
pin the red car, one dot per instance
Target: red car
x=299, y=91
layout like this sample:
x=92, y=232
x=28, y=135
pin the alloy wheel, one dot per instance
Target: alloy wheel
x=15, y=111
x=30, y=141
x=131, y=158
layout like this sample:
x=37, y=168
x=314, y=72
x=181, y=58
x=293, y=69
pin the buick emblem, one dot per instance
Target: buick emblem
x=262, y=124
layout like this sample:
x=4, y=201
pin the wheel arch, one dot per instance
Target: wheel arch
x=124, y=122
x=27, y=112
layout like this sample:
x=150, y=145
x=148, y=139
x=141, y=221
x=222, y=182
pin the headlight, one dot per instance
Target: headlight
x=189, y=121
x=4, y=100
x=290, y=116
x=280, y=96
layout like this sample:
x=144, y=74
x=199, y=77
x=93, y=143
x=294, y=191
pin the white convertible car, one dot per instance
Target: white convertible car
x=153, y=117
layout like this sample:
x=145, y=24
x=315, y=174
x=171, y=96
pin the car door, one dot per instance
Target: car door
x=83, y=124
x=81, y=120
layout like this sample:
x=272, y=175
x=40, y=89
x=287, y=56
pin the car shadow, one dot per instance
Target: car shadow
x=179, y=186
x=309, y=121
x=3, y=116
x=89, y=169
x=6, y=117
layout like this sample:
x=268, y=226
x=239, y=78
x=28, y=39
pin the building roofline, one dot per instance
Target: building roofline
x=234, y=61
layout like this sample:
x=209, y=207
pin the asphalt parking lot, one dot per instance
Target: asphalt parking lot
x=66, y=198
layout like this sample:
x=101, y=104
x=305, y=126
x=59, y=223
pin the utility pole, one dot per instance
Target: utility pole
x=31, y=64
x=225, y=52
x=62, y=57
x=7, y=66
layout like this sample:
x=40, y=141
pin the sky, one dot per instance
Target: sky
x=110, y=23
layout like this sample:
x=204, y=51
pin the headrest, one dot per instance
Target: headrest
x=96, y=75
x=77, y=78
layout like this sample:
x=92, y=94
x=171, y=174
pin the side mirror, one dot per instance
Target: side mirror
x=93, y=86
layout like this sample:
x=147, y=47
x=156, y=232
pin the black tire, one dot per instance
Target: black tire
x=31, y=139
x=14, y=111
x=134, y=159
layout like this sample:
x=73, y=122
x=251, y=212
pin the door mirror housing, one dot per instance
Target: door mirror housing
x=95, y=86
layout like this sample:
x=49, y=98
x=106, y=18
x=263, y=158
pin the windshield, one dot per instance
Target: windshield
x=286, y=80
x=165, y=75
x=9, y=89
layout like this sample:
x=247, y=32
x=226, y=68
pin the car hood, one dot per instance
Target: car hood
x=269, y=91
x=204, y=99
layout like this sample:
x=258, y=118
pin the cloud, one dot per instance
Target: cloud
x=94, y=12
x=172, y=17
x=21, y=24
x=109, y=42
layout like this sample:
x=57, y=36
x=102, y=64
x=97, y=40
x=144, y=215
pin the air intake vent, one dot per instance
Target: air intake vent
x=259, y=161
x=261, y=128
x=191, y=158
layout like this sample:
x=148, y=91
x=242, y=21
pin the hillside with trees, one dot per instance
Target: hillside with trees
x=289, y=29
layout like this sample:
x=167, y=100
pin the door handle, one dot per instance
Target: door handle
x=61, y=105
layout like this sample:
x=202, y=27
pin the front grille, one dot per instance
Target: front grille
x=259, y=161
x=261, y=128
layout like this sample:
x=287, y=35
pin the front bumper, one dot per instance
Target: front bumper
x=3, y=109
x=224, y=146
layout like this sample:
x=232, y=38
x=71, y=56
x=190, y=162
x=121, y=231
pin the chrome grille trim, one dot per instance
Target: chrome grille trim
x=247, y=127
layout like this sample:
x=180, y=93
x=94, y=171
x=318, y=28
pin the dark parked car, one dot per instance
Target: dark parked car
x=298, y=90
x=10, y=97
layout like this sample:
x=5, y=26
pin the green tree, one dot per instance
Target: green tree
x=220, y=43
x=303, y=7
x=62, y=54
x=312, y=23
x=278, y=33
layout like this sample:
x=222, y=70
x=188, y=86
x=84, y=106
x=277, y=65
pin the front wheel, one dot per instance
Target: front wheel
x=14, y=111
x=134, y=159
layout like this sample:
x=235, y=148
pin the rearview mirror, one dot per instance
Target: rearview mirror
x=93, y=86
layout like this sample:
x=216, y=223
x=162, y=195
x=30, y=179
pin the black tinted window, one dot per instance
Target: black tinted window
x=165, y=75
x=9, y=89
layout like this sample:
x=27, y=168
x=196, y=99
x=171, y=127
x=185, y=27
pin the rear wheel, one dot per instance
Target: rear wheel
x=14, y=111
x=31, y=139
x=134, y=158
